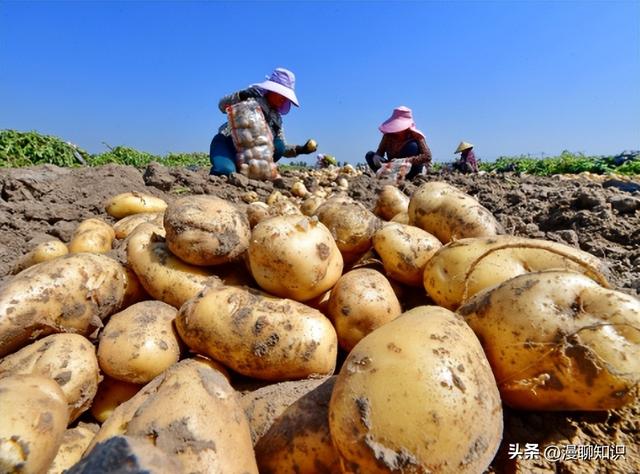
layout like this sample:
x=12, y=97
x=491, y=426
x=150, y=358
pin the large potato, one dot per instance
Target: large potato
x=463, y=268
x=351, y=225
x=111, y=393
x=164, y=276
x=139, y=343
x=450, y=214
x=391, y=202
x=69, y=294
x=125, y=204
x=125, y=226
x=93, y=236
x=299, y=440
x=265, y=405
x=206, y=230
x=42, y=252
x=69, y=359
x=559, y=341
x=257, y=335
x=192, y=414
x=74, y=443
x=405, y=250
x=417, y=395
x=294, y=257
x=33, y=418
x=362, y=300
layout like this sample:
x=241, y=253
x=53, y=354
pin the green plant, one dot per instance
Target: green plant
x=31, y=148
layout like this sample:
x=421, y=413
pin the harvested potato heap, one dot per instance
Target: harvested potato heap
x=270, y=292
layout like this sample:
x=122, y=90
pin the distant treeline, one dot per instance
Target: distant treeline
x=19, y=149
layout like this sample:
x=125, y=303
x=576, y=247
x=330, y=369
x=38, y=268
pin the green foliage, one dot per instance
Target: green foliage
x=31, y=148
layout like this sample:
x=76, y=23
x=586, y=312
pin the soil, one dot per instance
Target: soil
x=600, y=216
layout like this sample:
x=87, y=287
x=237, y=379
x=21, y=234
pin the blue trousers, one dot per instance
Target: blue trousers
x=222, y=154
x=411, y=148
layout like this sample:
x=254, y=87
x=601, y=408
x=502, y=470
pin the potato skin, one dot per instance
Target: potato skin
x=33, y=419
x=361, y=301
x=294, y=257
x=93, y=236
x=125, y=204
x=164, y=276
x=111, y=393
x=69, y=294
x=257, y=335
x=139, y=343
x=42, y=252
x=405, y=250
x=450, y=214
x=391, y=202
x=125, y=226
x=505, y=257
x=426, y=365
x=193, y=415
x=559, y=341
x=74, y=443
x=206, y=230
x=69, y=359
x=299, y=440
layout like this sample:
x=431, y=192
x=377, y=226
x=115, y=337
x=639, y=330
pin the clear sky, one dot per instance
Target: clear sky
x=510, y=77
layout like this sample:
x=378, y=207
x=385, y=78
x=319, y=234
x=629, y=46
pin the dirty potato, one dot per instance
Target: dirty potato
x=139, y=343
x=111, y=393
x=405, y=250
x=558, y=341
x=417, y=395
x=294, y=257
x=450, y=214
x=93, y=236
x=391, y=202
x=74, y=443
x=206, y=230
x=257, y=212
x=69, y=359
x=258, y=335
x=42, y=252
x=362, y=300
x=125, y=204
x=69, y=294
x=125, y=226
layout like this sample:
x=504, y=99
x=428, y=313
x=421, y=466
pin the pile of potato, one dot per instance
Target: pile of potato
x=203, y=336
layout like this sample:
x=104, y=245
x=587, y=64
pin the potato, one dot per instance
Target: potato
x=558, y=341
x=310, y=205
x=33, y=419
x=264, y=405
x=361, y=301
x=391, y=202
x=450, y=214
x=164, y=276
x=69, y=359
x=401, y=218
x=206, y=230
x=284, y=207
x=405, y=250
x=42, y=252
x=111, y=394
x=134, y=291
x=74, y=443
x=417, y=395
x=299, y=440
x=257, y=212
x=93, y=236
x=193, y=415
x=351, y=225
x=125, y=204
x=294, y=257
x=69, y=294
x=139, y=343
x=463, y=268
x=126, y=225
x=258, y=335
x=299, y=189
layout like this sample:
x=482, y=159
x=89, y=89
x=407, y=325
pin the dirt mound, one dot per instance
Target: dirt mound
x=602, y=218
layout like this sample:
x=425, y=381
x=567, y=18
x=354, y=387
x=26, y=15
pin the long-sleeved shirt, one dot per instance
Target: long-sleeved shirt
x=392, y=145
x=272, y=116
x=470, y=158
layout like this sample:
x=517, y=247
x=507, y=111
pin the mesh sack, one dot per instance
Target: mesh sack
x=396, y=170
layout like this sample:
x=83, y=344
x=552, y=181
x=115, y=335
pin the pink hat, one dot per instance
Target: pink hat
x=401, y=119
x=283, y=82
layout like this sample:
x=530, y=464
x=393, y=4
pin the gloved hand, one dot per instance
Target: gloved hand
x=309, y=147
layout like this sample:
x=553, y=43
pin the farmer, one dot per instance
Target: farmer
x=401, y=140
x=467, y=162
x=275, y=96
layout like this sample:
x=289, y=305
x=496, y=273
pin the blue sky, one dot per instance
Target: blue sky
x=510, y=77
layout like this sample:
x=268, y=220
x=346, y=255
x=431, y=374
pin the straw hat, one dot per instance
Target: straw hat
x=401, y=119
x=463, y=146
x=283, y=82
